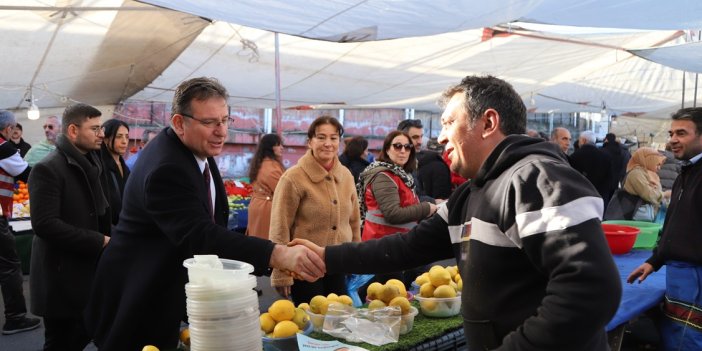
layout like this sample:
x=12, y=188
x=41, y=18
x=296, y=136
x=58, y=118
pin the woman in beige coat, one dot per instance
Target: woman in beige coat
x=316, y=200
x=266, y=169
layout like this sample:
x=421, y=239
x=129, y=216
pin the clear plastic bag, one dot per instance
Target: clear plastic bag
x=377, y=327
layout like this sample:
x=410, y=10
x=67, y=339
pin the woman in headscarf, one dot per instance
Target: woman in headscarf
x=642, y=180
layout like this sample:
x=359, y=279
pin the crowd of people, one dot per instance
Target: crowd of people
x=521, y=215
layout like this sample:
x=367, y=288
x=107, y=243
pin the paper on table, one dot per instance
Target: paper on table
x=305, y=343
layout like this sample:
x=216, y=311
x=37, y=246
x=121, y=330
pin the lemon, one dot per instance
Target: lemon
x=185, y=336
x=429, y=305
x=333, y=298
x=400, y=286
x=346, y=300
x=453, y=285
x=423, y=278
x=445, y=291
x=373, y=291
x=304, y=305
x=402, y=303
x=284, y=329
x=439, y=276
x=453, y=270
x=426, y=290
x=389, y=292
x=457, y=277
x=319, y=305
x=150, y=348
x=300, y=318
x=282, y=310
x=267, y=322
x=375, y=304
x=459, y=285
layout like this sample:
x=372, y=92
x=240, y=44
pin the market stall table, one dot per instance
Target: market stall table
x=636, y=298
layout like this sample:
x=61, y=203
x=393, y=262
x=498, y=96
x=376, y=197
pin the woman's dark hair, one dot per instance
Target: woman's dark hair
x=111, y=127
x=324, y=120
x=355, y=147
x=264, y=150
x=411, y=164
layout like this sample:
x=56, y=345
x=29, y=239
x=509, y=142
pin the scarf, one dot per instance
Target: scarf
x=375, y=168
x=92, y=169
x=648, y=159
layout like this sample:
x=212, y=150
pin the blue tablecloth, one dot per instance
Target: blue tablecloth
x=636, y=298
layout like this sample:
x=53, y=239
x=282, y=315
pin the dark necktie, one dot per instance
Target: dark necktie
x=206, y=175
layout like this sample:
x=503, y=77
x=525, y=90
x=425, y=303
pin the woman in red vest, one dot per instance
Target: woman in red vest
x=389, y=202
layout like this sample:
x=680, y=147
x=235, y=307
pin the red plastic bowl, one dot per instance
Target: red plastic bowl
x=620, y=238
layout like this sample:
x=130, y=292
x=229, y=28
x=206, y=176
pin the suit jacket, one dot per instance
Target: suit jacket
x=139, y=296
x=70, y=218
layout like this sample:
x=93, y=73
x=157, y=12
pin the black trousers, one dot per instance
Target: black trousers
x=65, y=334
x=303, y=291
x=10, y=274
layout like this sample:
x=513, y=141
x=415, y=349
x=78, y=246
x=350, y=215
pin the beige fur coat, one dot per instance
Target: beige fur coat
x=311, y=203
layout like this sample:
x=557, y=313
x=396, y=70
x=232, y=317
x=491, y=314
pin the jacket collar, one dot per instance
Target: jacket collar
x=315, y=171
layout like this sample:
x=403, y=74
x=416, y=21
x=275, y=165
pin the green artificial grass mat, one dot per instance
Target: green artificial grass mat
x=424, y=329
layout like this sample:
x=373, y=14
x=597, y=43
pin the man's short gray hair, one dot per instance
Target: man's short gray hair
x=588, y=136
x=7, y=119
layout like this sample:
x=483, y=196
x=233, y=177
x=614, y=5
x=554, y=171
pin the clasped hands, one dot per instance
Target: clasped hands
x=301, y=259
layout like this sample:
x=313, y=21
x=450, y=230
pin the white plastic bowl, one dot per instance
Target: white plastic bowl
x=439, y=307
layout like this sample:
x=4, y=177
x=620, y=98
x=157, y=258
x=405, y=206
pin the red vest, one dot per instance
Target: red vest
x=375, y=225
x=7, y=189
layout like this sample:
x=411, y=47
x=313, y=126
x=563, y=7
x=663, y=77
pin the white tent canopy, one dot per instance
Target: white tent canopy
x=106, y=51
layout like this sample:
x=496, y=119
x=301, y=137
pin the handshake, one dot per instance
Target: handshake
x=301, y=259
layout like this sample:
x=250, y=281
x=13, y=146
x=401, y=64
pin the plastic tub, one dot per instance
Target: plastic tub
x=439, y=306
x=648, y=235
x=285, y=344
x=208, y=274
x=408, y=320
x=316, y=320
x=620, y=238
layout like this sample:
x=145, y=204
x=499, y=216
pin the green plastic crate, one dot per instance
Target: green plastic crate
x=648, y=236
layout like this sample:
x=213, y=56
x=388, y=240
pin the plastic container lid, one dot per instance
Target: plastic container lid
x=222, y=291
x=210, y=270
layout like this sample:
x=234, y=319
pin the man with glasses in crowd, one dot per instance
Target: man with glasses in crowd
x=11, y=167
x=175, y=206
x=44, y=147
x=432, y=177
x=71, y=221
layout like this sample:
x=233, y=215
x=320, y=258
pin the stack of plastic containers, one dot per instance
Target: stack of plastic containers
x=222, y=305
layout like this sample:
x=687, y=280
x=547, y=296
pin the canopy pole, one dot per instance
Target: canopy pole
x=683, y=91
x=278, y=111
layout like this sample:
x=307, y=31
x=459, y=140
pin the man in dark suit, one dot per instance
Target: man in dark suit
x=594, y=164
x=167, y=216
x=71, y=220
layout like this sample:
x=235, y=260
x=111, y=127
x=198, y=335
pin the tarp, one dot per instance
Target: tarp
x=685, y=57
x=106, y=51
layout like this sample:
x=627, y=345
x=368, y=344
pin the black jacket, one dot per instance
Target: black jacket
x=596, y=166
x=115, y=181
x=70, y=217
x=138, y=296
x=434, y=175
x=356, y=166
x=22, y=146
x=680, y=239
x=531, y=251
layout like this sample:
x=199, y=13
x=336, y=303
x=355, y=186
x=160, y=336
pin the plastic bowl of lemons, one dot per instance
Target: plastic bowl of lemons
x=285, y=344
x=440, y=307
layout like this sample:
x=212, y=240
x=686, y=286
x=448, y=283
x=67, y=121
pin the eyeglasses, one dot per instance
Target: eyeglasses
x=97, y=130
x=49, y=126
x=398, y=147
x=210, y=123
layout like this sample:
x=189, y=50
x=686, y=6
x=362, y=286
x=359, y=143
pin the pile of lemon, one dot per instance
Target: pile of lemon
x=319, y=305
x=282, y=320
x=439, y=281
x=392, y=293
